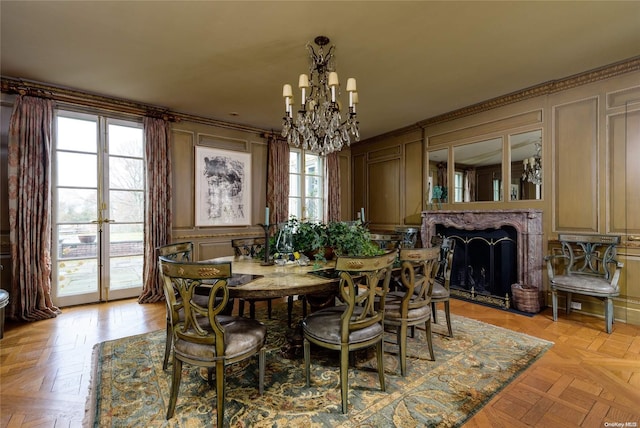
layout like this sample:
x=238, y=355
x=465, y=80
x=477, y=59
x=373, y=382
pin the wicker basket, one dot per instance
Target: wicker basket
x=526, y=298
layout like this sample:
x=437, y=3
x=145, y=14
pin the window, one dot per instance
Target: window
x=306, y=185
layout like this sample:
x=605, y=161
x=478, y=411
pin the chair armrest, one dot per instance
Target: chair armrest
x=549, y=259
x=616, y=275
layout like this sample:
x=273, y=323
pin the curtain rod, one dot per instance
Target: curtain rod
x=86, y=99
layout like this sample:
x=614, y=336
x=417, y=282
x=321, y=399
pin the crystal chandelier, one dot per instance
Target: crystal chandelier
x=533, y=167
x=318, y=125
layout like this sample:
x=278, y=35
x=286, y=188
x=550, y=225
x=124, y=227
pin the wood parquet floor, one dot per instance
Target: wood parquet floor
x=587, y=379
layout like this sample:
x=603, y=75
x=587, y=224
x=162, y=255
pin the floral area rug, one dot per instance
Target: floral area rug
x=129, y=387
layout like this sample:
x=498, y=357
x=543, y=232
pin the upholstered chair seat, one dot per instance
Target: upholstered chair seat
x=324, y=325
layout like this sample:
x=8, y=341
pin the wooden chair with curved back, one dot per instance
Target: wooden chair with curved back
x=412, y=305
x=181, y=252
x=357, y=322
x=202, y=336
x=441, y=288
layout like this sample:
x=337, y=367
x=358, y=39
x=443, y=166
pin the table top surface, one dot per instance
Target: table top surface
x=275, y=280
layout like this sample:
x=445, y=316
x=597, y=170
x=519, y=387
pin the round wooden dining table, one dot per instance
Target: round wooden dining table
x=253, y=280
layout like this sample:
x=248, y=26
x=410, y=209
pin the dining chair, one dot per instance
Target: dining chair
x=203, y=336
x=441, y=288
x=356, y=323
x=410, y=306
x=182, y=252
x=250, y=248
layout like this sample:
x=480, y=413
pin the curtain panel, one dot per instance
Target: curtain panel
x=29, y=174
x=278, y=180
x=158, y=216
x=332, y=171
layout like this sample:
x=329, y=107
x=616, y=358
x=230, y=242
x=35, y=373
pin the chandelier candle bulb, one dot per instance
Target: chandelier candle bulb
x=351, y=84
x=333, y=79
x=525, y=162
x=287, y=92
x=303, y=81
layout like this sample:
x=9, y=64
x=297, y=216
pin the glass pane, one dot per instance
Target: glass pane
x=313, y=210
x=77, y=205
x=126, y=206
x=294, y=207
x=126, y=173
x=294, y=185
x=125, y=272
x=76, y=134
x=125, y=141
x=312, y=164
x=77, y=276
x=313, y=187
x=77, y=170
x=526, y=165
x=480, y=165
x=77, y=241
x=294, y=162
x=438, y=176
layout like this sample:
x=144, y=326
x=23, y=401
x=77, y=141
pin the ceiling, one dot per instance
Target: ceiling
x=228, y=60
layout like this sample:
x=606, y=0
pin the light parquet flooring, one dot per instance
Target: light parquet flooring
x=587, y=379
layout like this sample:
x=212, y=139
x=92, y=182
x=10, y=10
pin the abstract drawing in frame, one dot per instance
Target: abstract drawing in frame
x=223, y=187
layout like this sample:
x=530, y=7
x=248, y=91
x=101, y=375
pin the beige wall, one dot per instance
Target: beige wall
x=216, y=241
x=591, y=147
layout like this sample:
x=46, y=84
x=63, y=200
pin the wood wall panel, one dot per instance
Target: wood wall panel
x=182, y=170
x=624, y=170
x=359, y=175
x=384, y=195
x=575, y=166
x=413, y=182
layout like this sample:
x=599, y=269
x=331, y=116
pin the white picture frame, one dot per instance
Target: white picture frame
x=222, y=187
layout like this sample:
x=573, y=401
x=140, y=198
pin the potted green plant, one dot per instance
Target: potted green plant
x=351, y=239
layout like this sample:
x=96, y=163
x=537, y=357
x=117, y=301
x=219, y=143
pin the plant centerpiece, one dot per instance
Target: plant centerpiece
x=351, y=239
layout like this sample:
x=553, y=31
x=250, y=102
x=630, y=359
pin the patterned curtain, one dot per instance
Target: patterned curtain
x=158, y=207
x=332, y=171
x=29, y=173
x=277, y=180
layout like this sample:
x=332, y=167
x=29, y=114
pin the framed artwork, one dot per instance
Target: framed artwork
x=223, y=187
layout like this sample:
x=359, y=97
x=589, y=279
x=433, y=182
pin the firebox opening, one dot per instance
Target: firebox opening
x=484, y=263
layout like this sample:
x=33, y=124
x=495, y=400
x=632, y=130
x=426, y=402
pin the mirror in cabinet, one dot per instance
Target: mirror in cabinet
x=478, y=171
x=526, y=165
x=437, y=188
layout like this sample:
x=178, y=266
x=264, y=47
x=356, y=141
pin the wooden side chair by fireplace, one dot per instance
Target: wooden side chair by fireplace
x=585, y=265
x=203, y=336
x=441, y=288
x=357, y=323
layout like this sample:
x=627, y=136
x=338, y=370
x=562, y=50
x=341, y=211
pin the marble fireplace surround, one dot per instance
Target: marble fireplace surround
x=527, y=223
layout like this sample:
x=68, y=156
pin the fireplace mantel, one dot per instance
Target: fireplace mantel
x=527, y=222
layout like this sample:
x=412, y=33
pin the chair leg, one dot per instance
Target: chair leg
x=608, y=314
x=568, y=302
x=380, y=357
x=344, y=378
x=167, y=346
x=402, y=344
x=261, y=363
x=434, y=312
x=220, y=392
x=427, y=328
x=240, y=307
x=268, y=308
x=252, y=309
x=175, y=386
x=447, y=314
x=307, y=360
x=304, y=305
x=554, y=304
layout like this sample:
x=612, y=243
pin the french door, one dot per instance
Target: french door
x=98, y=208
